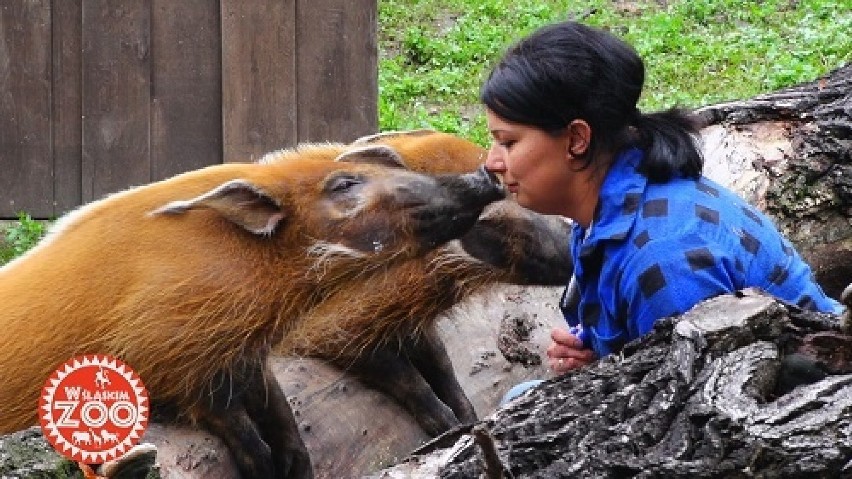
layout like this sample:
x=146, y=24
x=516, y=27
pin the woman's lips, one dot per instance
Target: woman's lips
x=512, y=187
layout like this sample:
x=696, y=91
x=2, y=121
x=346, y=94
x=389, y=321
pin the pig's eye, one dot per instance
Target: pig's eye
x=343, y=183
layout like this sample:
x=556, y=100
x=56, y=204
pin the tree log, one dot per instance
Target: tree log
x=733, y=388
x=790, y=154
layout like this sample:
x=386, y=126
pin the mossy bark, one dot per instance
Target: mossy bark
x=801, y=166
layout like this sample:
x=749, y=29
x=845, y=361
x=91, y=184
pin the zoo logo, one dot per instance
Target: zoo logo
x=93, y=409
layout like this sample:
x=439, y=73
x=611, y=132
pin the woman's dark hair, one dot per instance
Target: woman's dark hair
x=567, y=71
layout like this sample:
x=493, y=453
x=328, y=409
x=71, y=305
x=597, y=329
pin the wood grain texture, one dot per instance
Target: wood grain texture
x=97, y=96
x=67, y=105
x=25, y=101
x=186, y=99
x=338, y=74
x=116, y=96
x=258, y=77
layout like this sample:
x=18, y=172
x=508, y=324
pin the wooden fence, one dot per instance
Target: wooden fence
x=99, y=95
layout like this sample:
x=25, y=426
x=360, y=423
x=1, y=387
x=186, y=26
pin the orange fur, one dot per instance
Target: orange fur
x=392, y=306
x=432, y=151
x=401, y=301
x=382, y=330
x=182, y=297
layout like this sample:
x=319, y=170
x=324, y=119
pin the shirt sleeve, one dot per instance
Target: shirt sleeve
x=668, y=277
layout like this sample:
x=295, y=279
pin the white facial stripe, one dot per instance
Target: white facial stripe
x=377, y=151
x=324, y=253
x=452, y=253
x=285, y=154
x=390, y=134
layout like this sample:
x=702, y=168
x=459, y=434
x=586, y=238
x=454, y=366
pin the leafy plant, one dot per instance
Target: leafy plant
x=20, y=237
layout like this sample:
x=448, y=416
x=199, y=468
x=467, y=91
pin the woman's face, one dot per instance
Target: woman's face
x=537, y=167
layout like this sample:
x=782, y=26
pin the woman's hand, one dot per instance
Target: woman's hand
x=566, y=352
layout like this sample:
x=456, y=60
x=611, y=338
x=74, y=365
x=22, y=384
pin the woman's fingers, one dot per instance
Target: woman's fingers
x=563, y=365
x=564, y=337
x=566, y=352
x=556, y=351
x=566, y=345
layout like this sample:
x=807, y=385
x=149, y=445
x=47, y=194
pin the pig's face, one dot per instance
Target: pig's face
x=351, y=207
x=524, y=246
x=373, y=209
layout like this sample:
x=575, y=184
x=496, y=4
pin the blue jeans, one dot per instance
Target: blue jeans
x=519, y=389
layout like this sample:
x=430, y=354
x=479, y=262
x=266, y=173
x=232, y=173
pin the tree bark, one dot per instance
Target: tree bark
x=790, y=153
x=734, y=388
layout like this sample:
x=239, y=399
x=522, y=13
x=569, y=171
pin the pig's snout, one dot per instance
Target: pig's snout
x=485, y=184
x=458, y=202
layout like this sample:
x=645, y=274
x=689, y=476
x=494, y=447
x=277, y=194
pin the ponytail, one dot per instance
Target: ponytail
x=567, y=71
x=669, y=141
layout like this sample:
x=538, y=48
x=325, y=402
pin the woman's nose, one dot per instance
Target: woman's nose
x=495, y=162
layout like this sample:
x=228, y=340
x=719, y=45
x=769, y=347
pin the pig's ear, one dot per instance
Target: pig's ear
x=376, y=154
x=391, y=134
x=238, y=201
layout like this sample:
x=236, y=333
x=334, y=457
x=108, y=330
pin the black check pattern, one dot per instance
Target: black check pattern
x=658, y=208
x=656, y=249
x=707, y=214
x=652, y=280
x=700, y=258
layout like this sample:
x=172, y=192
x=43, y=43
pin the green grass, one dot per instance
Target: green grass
x=20, y=236
x=434, y=54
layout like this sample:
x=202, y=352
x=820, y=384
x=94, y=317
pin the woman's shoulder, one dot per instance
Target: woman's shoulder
x=684, y=203
x=703, y=215
x=686, y=215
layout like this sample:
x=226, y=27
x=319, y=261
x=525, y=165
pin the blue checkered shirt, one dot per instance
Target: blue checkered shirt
x=657, y=249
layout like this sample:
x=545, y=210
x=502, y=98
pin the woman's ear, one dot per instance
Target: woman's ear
x=579, y=137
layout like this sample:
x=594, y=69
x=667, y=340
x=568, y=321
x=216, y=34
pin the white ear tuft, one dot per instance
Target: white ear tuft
x=376, y=154
x=391, y=134
x=239, y=201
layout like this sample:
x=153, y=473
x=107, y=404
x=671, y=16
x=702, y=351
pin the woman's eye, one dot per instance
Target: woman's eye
x=507, y=144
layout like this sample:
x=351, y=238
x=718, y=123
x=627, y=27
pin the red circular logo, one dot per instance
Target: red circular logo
x=93, y=409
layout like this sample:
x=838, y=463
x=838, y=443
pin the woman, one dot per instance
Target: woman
x=652, y=237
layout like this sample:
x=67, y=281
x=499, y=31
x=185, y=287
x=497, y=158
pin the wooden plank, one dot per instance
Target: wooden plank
x=116, y=96
x=67, y=105
x=26, y=181
x=186, y=125
x=258, y=77
x=337, y=69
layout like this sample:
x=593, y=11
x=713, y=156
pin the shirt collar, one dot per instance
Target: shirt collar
x=618, y=201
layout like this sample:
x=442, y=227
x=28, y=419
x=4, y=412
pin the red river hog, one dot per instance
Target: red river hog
x=192, y=280
x=382, y=329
